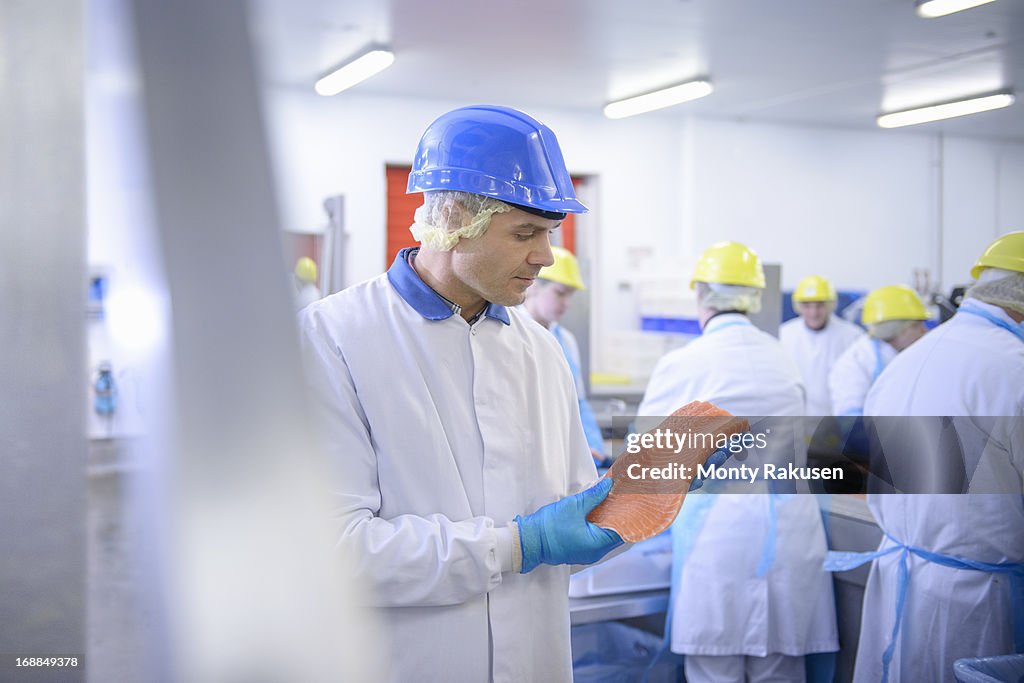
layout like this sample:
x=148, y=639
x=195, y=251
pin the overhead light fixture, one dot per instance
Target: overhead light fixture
x=929, y=9
x=356, y=71
x=658, y=99
x=946, y=110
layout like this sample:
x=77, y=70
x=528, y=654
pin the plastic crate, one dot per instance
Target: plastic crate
x=611, y=652
x=1002, y=669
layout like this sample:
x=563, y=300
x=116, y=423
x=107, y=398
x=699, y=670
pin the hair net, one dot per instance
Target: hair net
x=890, y=329
x=728, y=297
x=1003, y=288
x=447, y=216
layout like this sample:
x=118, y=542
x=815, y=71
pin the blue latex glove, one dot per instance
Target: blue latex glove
x=717, y=458
x=559, y=532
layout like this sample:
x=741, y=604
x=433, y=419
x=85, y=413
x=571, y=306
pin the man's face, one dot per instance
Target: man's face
x=814, y=313
x=548, y=301
x=502, y=263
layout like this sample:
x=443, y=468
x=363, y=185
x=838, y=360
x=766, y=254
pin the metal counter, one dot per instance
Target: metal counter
x=850, y=527
x=618, y=606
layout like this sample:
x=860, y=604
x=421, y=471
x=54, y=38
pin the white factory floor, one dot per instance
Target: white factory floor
x=117, y=617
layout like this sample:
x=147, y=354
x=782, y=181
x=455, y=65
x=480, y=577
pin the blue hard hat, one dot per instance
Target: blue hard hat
x=496, y=152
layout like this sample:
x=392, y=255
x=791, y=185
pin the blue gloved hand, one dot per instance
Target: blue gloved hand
x=717, y=459
x=559, y=532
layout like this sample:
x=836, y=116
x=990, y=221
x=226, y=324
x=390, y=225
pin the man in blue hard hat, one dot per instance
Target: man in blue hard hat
x=453, y=418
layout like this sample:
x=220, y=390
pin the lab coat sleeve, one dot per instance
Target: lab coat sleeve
x=408, y=560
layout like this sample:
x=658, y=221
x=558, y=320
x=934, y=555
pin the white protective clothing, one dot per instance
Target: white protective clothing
x=728, y=609
x=769, y=669
x=854, y=372
x=440, y=432
x=815, y=353
x=306, y=294
x=965, y=367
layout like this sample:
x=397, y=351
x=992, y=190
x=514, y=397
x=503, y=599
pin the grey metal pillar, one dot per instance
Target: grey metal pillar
x=43, y=377
x=250, y=590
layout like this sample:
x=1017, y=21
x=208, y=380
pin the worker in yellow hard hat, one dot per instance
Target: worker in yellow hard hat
x=894, y=316
x=949, y=559
x=817, y=338
x=306, y=289
x=546, y=302
x=765, y=558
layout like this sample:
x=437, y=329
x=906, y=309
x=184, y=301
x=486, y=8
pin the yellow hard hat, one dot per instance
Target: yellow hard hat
x=1007, y=253
x=305, y=269
x=729, y=263
x=894, y=302
x=814, y=288
x=565, y=269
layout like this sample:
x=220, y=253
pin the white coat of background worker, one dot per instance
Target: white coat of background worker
x=452, y=420
x=964, y=553
x=816, y=339
x=306, y=289
x=740, y=617
x=894, y=316
x=546, y=302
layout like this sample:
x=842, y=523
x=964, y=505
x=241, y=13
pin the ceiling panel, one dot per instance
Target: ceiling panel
x=796, y=61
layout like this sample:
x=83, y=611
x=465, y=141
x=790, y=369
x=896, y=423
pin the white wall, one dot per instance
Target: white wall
x=857, y=207
x=982, y=199
x=864, y=208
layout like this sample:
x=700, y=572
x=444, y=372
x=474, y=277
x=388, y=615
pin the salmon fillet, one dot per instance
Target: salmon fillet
x=640, y=509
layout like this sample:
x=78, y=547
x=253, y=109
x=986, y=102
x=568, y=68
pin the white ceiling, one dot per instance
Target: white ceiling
x=821, y=62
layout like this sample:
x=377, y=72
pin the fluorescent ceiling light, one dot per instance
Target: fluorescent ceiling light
x=356, y=71
x=947, y=110
x=929, y=9
x=658, y=99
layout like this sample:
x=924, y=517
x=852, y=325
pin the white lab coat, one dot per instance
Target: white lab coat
x=854, y=371
x=440, y=433
x=815, y=352
x=965, y=367
x=723, y=608
x=305, y=294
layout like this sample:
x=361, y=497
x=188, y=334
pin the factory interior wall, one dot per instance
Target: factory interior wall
x=863, y=207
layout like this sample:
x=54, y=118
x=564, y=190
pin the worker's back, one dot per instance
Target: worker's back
x=729, y=539
x=973, y=372
x=733, y=365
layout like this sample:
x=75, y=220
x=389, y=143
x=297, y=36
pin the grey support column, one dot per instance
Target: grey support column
x=43, y=376
x=250, y=584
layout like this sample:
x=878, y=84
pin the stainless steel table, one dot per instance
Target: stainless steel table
x=617, y=606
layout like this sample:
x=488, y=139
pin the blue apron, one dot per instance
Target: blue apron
x=593, y=432
x=820, y=666
x=837, y=561
x=1015, y=330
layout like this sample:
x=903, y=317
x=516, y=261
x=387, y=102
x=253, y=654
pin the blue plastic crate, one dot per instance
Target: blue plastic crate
x=1002, y=669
